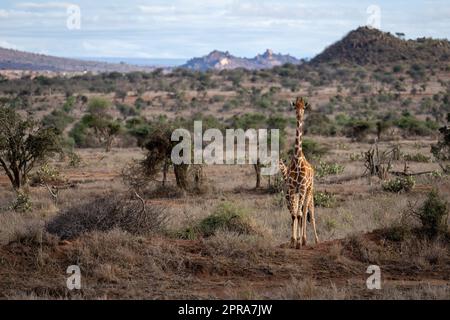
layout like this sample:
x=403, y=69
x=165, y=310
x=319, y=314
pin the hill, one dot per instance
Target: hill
x=19, y=60
x=218, y=60
x=366, y=46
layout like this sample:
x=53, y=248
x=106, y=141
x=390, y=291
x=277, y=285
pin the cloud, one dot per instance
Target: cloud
x=8, y=45
x=186, y=28
x=44, y=5
x=3, y=13
x=157, y=9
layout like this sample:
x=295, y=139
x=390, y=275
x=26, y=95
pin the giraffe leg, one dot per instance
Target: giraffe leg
x=302, y=213
x=294, y=198
x=305, y=213
x=294, y=231
x=306, y=208
x=313, y=219
x=298, y=244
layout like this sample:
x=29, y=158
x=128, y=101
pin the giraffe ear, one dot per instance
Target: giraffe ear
x=292, y=103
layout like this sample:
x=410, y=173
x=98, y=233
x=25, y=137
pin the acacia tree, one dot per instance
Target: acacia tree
x=98, y=119
x=258, y=121
x=23, y=145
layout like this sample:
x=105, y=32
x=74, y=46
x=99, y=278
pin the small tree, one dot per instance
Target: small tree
x=441, y=150
x=98, y=119
x=433, y=214
x=24, y=144
x=358, y=130
x=121, y=94
x=252, y=121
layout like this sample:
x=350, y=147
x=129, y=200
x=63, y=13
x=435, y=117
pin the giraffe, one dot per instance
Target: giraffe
x=299, y=180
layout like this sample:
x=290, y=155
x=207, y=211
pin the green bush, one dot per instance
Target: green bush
x=312, y=149
x=79, y=134
x=46, y=174
x=126, y=110
x=226, y=216
x=324, y=199
x=326, y=169
x=22, y=203
x=57, y=119
x=318, y=123
x=399, y=185
x=433, y=214
x=415, y=126
x=358, y=129
x=396, y=233
x=418, y=157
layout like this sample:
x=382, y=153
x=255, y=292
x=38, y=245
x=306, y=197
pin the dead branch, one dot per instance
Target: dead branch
x=405, y=174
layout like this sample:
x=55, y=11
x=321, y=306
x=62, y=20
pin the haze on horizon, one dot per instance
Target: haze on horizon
x=182, y=29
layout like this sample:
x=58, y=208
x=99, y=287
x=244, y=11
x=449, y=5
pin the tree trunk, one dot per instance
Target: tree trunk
x=8, y=173
x=180, y=171
x=17, y=183
x=257, y=167
x=165, y=170
x=109, y=141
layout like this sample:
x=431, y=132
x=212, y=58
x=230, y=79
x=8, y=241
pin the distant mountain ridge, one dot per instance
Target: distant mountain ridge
x=365, y=46
x=20, y=60
x=219, y=60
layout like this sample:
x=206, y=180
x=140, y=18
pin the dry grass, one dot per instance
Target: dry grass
x=226, y=264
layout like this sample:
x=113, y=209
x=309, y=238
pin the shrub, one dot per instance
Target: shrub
x=312, y=149
x=355, y=156
x=22, y=202
x=396, y=233
x=330, y=224
x=107, y=213
x=46, y=174
x=399, y=184
x=324, y=199
x=80, y=135
x=326, y=169
x=226, y=217
x=358, y=129
x=414, y=126
x=433, y=214
x=57, y=119
x=318, y=123
x=418, y=157
x=126, y=110
x=74, y=159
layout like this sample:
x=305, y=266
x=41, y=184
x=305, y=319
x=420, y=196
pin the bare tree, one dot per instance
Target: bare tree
x=378, y=163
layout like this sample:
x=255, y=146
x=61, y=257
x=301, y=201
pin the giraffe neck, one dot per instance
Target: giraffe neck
x=299, y=136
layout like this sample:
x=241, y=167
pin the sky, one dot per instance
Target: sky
x=183, y=29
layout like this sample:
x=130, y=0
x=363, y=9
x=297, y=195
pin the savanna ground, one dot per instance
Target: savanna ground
x=256, y=264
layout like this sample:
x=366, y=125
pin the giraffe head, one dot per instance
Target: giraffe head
x=300, y=105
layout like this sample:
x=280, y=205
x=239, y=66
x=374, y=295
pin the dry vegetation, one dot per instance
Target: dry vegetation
x=244, y=255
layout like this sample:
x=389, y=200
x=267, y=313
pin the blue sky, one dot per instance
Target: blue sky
x=186, y=28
